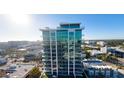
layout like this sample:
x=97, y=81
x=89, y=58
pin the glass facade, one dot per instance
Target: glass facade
x=62, y=50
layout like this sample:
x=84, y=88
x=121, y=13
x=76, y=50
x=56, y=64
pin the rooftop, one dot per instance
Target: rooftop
x=21, y=71
x=120, y=50
x=117, y=49
x=64, y=26
x=95, y=63
x=67, y=23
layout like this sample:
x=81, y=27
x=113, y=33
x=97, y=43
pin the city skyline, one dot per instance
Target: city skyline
x=18, y=27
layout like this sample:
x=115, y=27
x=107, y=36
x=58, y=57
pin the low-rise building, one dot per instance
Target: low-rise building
x=103, y=49
x=101, y=43
x=90, y=42
x=96, y=68
x=29, y=57
x=95, y=52
x=116, y=52
x=2, y=61
x=21, y=71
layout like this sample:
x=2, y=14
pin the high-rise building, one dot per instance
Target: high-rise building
x=62, y=50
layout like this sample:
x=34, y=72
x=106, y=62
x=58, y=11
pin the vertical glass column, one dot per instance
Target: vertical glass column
x=51, y=52
x=71, y=52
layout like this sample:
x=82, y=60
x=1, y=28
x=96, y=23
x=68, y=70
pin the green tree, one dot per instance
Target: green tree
x=88, y=54
x=34, y=73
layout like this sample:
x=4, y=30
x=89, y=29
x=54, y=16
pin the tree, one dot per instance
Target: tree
x=88, y=54
x=103, y=57
x=34, y=73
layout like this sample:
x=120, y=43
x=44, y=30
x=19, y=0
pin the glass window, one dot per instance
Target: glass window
x=46, y=35
x=62, y=35
x=74, y=25
x=53, y=34
x=78, y=34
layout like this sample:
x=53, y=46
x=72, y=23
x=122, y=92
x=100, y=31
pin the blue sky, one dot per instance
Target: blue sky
x=20, y=27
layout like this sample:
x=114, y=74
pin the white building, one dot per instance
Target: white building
x=101, y=43
x=103, y=49
x=95, y=52
x=97, y=68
